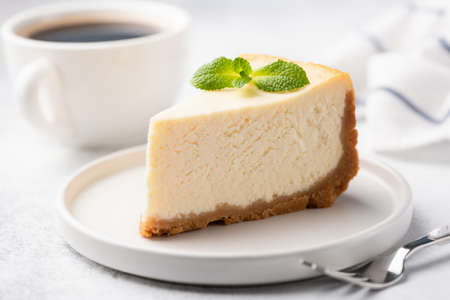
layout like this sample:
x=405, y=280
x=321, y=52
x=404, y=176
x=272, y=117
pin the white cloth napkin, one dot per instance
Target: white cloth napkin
x=400, y=66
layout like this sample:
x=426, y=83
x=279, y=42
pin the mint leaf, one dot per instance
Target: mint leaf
x=280, y=76
x=242, y=65
x=222, y=73
x=241, y=81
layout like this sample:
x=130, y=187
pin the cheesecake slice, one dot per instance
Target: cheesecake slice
x=244, y=154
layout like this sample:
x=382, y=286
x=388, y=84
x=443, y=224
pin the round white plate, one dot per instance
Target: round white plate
x=100, y=206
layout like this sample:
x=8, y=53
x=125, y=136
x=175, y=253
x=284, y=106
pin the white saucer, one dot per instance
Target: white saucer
x=100, y=205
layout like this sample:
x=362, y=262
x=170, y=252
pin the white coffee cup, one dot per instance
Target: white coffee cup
x=96, y=93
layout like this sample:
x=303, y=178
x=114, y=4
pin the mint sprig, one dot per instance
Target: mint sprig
x=223, y=72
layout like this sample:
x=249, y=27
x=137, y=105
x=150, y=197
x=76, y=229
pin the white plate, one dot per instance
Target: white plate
x=100, y=206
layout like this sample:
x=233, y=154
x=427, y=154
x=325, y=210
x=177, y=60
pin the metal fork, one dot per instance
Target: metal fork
x=385, y=270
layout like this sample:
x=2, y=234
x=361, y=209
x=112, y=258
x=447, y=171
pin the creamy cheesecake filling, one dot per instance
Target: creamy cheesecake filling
x=236, y=157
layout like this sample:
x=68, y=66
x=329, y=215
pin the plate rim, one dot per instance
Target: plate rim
x=67, y=217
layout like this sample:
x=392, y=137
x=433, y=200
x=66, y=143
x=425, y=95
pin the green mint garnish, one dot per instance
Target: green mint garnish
x=226, y=73
x=222, y=73
x=280, y=76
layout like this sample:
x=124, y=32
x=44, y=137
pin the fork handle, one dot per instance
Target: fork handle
x=436, y=236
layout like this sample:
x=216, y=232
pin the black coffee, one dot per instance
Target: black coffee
x=93, y=32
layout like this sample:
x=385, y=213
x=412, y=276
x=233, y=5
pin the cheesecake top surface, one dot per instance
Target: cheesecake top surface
x=207, y=102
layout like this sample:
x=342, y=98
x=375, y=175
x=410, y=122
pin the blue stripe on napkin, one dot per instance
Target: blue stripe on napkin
x=444, y=44
x=374, y=41
x=412, y=106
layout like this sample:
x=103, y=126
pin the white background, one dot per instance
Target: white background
x=35, y=263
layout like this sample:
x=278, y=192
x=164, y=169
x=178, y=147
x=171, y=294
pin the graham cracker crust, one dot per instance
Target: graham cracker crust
x=321, y=195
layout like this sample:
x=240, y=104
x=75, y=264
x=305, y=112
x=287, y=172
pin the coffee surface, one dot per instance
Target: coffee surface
x=93, y=32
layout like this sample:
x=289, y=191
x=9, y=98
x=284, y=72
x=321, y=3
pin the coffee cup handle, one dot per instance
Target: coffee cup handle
x=26, y=92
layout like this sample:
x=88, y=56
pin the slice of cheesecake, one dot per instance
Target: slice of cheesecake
x=244, y=154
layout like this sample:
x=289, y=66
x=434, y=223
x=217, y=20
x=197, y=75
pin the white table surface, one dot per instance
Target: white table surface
x=35, y=262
